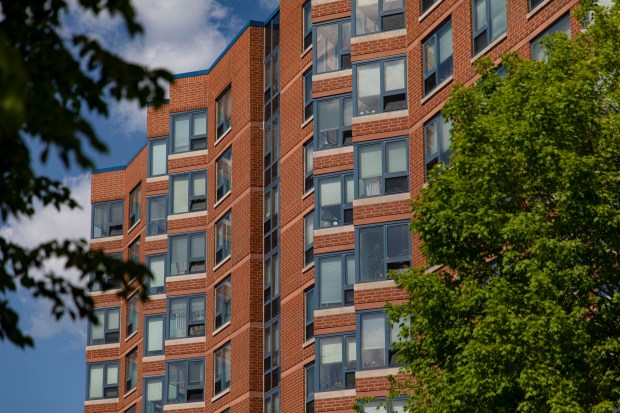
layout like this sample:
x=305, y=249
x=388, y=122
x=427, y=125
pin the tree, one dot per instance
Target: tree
x=49, y=78
x=524, y=315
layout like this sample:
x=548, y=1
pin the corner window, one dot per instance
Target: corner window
x=223, y=296
x=223, y=238
x=489, y=22
x=131, y=370
x=308, y=166
x=334, y=122
x=272, y=151
x=437, y=141
x=186, y=381
x=335, y=200
x=271, y=357
x=221, y=360
x=135, y=205
x=272, y=85
x=157, y=265
x=437, y=51
x=271, y=286
x=223, y=169
x=272, y=34
x=309, y=313
x=132, y=314
x=382, y=248
x=382, y=168
x=102, y=381
x=154, y=335
x=309, y=373
x=189, y=192
x=186, y=317
x=376, y=338
x=307, y=24
x=187, y=254
x=271, y=219
x=335, y=280
x=396, y=406
x=333, y=47
x=224, y=112
x=112, y=283
x=107, y=219
x=337, y=360
x=158, y=157
x=156, y=215
x=373, y=16
x=308, y=110
x=539, y=51
x=189, y=131
x=153, y=395
x=380, y=86
x=107, y=329
x=134, y=251
x=309, y=239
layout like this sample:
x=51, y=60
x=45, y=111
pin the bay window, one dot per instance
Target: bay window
x=334, y=122
x=336, y=362
x=107, y=219
x=376, y=340
x=332, y=50
x=186, y=317
x=189, y=131
x=335, y=200
x=186, y=381
x=157, y=265
x=107, y=329
x=154, y=395
x=154, y=334
x=158, y=157
x=335, y=279
x=382, y=248
x=380, y=86
x=382, y=168
x=189, y=192
x=157, y=211
x=373, y=16
x=187, y=254
x=102, y=380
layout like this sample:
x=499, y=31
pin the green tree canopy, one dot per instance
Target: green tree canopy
x=49, y=78
x=525, y=314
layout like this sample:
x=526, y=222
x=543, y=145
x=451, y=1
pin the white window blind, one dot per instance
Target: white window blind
x=350, y=266
x=348, y=111
x=158, y=162
x=199, y=185
x=394, y=74
x=371, y=162
x=309, y=165
x=178, y=255
x=181, y=133
x=396, y=153
x=351, y=350
x=154, y=391
x=200, y=123
x=95, y=389
x=114, y=319
x=330, y=192
x=331, y=280
x=349, y=187
x=309, y=231
x=429, y=55
x=180, y=190
x=112, y=374
x=331, y=350
x=155, y=328
x=445, y=45
x=368, y=80
x=156, y=265
x=198, y=247
x=373, y=332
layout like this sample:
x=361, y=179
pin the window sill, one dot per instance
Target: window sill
x=185, y=277
x=187, y=215
x=130, y=392
x=218, y=140
x=305, y=52
x=333, y=394
x=372, y=285
x=307, y=267
x=226, y=195
x=326, y=312
x=158, y=178
x=489, y=47
x=307, y=121
x=320, y=232
x=536, y=9
x=373, y=117
x=377, y=372
x=308, y=342
x=181, y=341
x=333, y=151
x=129, y=337
x=157, y=296
x=152, y=359
x=94, y=347
x=307, y=194
x=220, y=394
x=100, y=401
x=114, y=291
x=184, y=406
x=188, y=154
x=430, y=10
x=224, y=261
x=437, y=89
x=153, y=238
x=332, y=75
x=380, y=199
x=433, y=269
x=222, y=327
x=383, y=35
x=106, y=239
x=131, y=228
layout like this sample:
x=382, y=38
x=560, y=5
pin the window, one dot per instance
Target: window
x=309, y=311
x=107, y=219
x=223, y=237
x=186, y=381
x=223, y=295
x=373, y=16
x=102, y=381
x=308, y=110
x=489, y=22
x=154, y=334
x=224, y=112
x=189, y=192
x=539, y=51
x=154, y=395
x=272, y=151
x=309, y=372
x=426, y=4
x=132, y=314
x=437, y=141
x=335, y=200
x=333, y=47
x=271, y=288
x=334, y=122
x=134, y=251
x=376, y=338
x=272, y=403
x=223, y=169
x=158, y=157
x=107, y=329
x=131, y=370
x=381, y=86
x=189, y=131
x=156, y=215
x=437, y=51
x=337, y=360
x=382, y=248
x=309, y=239
x=272, y=34
x=132, y=409
x=221, y=369
x=112, y=283
x=157, y=265
x=271, y=220
x=135, y=204
x=397, y=406
x=335, y=280
x=308, y=166
x=307, y=16
x=187, y=254
x=272, y=85
x=186, y=317
x=271, y=356
x=382, y=168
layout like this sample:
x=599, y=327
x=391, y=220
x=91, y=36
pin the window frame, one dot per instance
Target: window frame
x=191, y=197
x=222, y=376
x=134, y=248
x=306, y=9
x=434, y=36
x=226, y=95
x=222, y=221
x=188, y=323
x=308, y=248
x=148, y=317
x=116, y=255
x=340, y=52
x=385, y=175
x=272, y=356
x=149, y=200
x=390, y=408
x=226, y=156
x=488, y=27
x=227, y=310
x=309, y=307
x=387, y=347
x=308, y=101
x=192, y=137
x=443, y=155
x=132, y=409
x=344, y=207
x=381, y=13
x=382, y=93
x=106, y=330
x=548, y=32
x=345, y=132
x=345, y=370
x=132, y=315
x=128, y=371
x=386, y=261
x=156, y=290
x=105, y=384
x=152, y=143
x=309, y=398
x=271, y=292
x=110, y=223
x=145, y=383
x=344, y=287
x=273, y=222
x=308, y=171
x=135, y=208
x=189, y=236
x=186, y=362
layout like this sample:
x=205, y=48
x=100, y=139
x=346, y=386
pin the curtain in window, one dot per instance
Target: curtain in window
x=200, y=123
x=430, y=135
x=155, y=327
x=178, y=319
x=373, y=340
x=394, y=74
x=429, y=55
x=114, y=319
x=180, y=191
x=371, y=168
x=309, y=159
x=396, y=153
x=331, y=350
x=177, y=382
x=445, y=135
x=196, y=373
x=157, y=267
x=181, y=133
x=197, y=309
x=95, y=386
x=309, y=231
x=331, y=280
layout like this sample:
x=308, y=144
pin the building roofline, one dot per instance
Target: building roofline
x=120, y=167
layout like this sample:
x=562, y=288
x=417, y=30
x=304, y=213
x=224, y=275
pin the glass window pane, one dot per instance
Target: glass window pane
x=373, y=341
x=198, y=247
x=114, y=317
x=181, y=133
x=309, y=230
x=445, y=43
x=331, y=281
x=180, y=192
x=370, y=170
x=155, y=335
x=394, y=75
x=158, y=157
x=369, y=88
x=392, y=5
x=498, y=17
x=97, y=331
x=199, y=184
x=430, y=136
x=350, y=268
x=396, y=154
x=331, y=350
x=157, y=266
x=445, y=135
x=345, y=39
x=111, y=374
x=327, y=58
x=371, y=260
x=154, y=390
x=398, y=238
x=178, y=256
x=398, y=406
x=366, y=16
x=429, y=55
x=348, y=111
x=95, y=384
x=480, y=16
x=349, y=189
x=200, y=123
x=351, y=347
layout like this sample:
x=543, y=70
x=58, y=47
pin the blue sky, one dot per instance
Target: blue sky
x=182, y=36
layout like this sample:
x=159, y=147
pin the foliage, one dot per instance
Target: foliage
x=525, y=314
x=49, y=76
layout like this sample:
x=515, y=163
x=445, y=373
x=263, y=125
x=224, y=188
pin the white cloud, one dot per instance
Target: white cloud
x=269, y=4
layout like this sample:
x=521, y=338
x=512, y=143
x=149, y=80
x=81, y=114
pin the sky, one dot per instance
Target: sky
x=181, y=36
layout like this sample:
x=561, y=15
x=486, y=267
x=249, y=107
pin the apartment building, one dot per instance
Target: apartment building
x=272, y=198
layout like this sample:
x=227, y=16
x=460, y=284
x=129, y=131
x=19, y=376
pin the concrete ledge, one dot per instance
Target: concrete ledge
x=220, y=395
x=405, y=196
x=106, y=239
x=152, y=179
x=332, y=75
x=189, y=154
x=102, y=346
x=334, y=394
x=333, y=151
x=152, y=359
x=184, y=406
x=382, y=116
x=188, y=277
x=374, y=285
x=152, y=238
x=181, y=341
x=349, y=309
x=333, y=230
x=378, y=36
x=366, y=374
x=187, y=215
x=318, y=2
x=101, y=401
